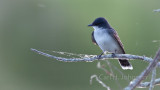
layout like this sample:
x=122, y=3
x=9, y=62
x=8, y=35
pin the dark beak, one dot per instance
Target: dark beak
x=90, y=25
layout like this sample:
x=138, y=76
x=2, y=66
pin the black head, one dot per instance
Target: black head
x=100, y=22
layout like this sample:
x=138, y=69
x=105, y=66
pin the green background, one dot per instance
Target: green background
x=61, y=25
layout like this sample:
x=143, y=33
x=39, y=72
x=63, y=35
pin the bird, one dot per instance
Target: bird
x=108, y=40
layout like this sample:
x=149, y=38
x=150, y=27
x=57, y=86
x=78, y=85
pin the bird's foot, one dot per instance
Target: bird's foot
x=113, y=54
x=99, y=57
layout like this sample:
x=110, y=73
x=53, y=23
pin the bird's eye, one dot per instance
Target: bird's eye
x=97, y=23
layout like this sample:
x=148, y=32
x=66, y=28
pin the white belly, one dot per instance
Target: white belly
x=105, y=41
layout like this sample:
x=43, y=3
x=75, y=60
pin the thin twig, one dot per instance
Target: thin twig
x=99, y=66
x=147, y=84
x=117, y=69
x=116, y=81
x=144, y=74
x=152, y=79
x=91, y=59
x=156, y=10
x=99, y=81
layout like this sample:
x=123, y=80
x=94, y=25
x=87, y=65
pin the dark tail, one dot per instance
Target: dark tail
x=125, y=64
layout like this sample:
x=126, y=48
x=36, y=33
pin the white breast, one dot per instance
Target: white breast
x=104, y=40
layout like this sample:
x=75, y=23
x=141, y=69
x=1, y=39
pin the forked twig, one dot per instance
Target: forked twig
x=99, y=81
x=133, y=84
x=145, y=73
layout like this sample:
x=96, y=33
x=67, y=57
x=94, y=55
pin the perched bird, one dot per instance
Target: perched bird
x=108, y=40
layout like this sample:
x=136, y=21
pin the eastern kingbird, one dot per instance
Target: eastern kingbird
x=108, y=40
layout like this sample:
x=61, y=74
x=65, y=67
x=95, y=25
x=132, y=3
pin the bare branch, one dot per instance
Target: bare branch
x=133, y=84
x=97, y=79
x=91, y=59
x=144, y=74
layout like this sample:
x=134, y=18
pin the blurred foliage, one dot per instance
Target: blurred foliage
x=61, y=25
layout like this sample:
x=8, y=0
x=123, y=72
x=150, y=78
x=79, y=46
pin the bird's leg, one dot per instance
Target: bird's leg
x=113, y=54
x=99, y=56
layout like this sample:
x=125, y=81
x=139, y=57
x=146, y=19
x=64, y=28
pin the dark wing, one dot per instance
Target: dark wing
x=124, y=63
x=116, y=37
x=93, y=39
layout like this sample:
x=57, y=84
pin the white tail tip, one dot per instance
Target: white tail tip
x=127, y=67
